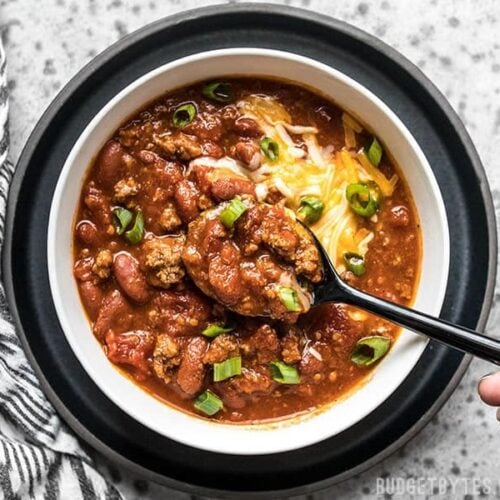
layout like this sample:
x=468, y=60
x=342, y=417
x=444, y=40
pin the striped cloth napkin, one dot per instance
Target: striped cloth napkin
x=39, y=456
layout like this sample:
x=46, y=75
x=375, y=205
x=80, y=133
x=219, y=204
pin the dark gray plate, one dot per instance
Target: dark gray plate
x=386, y=73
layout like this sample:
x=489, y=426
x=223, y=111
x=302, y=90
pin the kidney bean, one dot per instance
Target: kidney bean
x=115, y=314
x=247, y=127
x=186, y=197
x=112, y=163
x=87, y=233
x=92, y=297
x=130, y=278
x=191, y=370
x=99, y=205
x=212, y=149
x=226, y=188
x=249, y=154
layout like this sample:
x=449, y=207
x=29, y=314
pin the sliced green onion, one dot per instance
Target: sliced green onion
x=184, y=115
x=375, y=152
x=370, y=349
x=227, y=369
x=122, y=219
x=214, y=330
x=136, y=233
x=289, y=299
x=361, y=200
x=283, y=373
x=208, y=403
x=310, y=209
x=218, y=91
x=232, y=212
x=355, y=263
x=270, y=148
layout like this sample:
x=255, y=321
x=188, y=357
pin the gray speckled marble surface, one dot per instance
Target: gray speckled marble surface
x=455, y=43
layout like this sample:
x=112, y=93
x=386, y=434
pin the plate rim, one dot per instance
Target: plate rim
x=209, y=11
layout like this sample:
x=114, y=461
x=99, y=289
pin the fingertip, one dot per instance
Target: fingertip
x=489, y=389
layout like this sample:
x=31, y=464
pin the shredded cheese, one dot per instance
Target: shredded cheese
x=313, y=149
x=386, y=185
x=305, y=167
x=299, y=129
x=315, y=353
x=352, y=123
x=283, y=135
x=350, y=137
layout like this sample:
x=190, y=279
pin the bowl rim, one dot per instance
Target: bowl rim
x=95, y=122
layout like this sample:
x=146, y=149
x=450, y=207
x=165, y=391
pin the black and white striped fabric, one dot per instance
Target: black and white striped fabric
x=39, y=457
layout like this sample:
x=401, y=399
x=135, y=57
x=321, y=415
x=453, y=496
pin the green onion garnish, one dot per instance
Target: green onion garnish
x=370, y=349
x=184, y=115
x=135, y=235
x=122, y=219
x=310, y=209
x=283, y=373
x=270, y=148
x=375, y=152
x=289, y=299
x=355, y=263
x=232, y=212
x=227, y=369
x=218, y=91
x=214, y=330
x=208, y=403
x=361, y=200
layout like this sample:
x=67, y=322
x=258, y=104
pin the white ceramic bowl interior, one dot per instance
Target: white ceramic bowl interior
x=168, y=421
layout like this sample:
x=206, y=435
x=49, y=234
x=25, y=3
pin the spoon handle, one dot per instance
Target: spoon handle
x=447, y=333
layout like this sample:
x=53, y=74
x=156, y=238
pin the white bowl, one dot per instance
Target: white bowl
x=292, y=433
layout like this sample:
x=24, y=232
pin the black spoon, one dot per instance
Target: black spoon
x=333, y=289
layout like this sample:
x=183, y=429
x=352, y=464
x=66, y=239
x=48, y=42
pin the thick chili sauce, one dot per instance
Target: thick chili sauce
x=144, y=308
